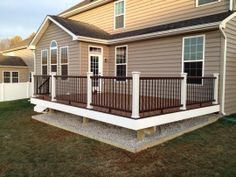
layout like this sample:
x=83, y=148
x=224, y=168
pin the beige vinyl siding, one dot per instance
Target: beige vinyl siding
x=63, y=39
x=145, y=13
x=230, y=85
x=26, y=55
x=164, y=55
x=85, y=57
x=23, y=73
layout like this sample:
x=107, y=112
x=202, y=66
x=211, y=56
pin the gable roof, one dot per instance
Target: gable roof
x=11, y=61
x=90, y=33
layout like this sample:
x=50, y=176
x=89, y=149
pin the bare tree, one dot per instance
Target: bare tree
x=4, y=43
x=15, y=40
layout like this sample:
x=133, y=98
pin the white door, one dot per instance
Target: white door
x=96, y=68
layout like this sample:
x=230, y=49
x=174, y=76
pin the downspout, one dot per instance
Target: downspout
x=222, y=27
x=231, y=3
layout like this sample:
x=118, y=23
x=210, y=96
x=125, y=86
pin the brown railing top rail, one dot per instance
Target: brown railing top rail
x=199, y=77
x=109, y=77
x=58, y=76
x=42, y=75
x=149, y=78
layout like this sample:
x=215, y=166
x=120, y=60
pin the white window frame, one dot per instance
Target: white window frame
x=11, y=77
x=99, y=55
x=60, y=63
x=197, y=3
x=44, y=50
x=204, y=50
x=52, y=48
x=119, y=15
x=127, y=49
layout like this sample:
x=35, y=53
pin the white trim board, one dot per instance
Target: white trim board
x=133, y=124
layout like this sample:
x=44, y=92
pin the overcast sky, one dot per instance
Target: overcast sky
x=22, y=17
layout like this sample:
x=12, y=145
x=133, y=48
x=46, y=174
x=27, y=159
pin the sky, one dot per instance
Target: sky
x=23, y=17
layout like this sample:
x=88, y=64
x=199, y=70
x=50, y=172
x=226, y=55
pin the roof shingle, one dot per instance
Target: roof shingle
x=11, y=61
x=88, y=30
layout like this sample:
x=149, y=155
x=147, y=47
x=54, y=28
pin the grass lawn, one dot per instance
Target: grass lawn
x=29, y=148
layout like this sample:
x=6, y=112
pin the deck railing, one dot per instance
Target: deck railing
x=42, y=84
x=159, y=93
x=200, y=90
x=72, y=89
x=113, y=93
x=137, y=96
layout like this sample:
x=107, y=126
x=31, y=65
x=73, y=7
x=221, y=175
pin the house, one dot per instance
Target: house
x=140, y=65
x=21, y=50
x=16, y=65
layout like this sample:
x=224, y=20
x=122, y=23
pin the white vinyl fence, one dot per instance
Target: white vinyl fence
x=15, y=91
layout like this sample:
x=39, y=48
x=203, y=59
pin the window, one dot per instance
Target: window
x=203, y=2
x=44, y=56
x=7, y=77
x=53, y=50
x=121, y=61
x=15, y=77
x=64, y=61
x=95, y=50
x=119, y=14
x=193, y=57
x=10, y=77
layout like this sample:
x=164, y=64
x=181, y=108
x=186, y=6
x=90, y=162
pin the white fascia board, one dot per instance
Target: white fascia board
x=93, y=40
x=174, y=117
x=150, y=35
x=95, y=115
x=223, y=23
x=44, y=26
x=133, y=124
x=14, y=49
x=166, y=33
x=10, y=66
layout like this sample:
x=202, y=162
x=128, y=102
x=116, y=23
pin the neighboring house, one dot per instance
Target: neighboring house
x=16, y=65
x=21, y=50
x=115, y=40
x=13, y=70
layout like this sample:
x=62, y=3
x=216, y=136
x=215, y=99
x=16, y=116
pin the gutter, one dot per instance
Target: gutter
x=195, y=28
x=14, y=49
x=222, y=27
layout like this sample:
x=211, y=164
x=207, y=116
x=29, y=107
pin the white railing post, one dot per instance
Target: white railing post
x=89, y=90
x=135, y=95
x=53, y=94
x=216, y=88
x=184, y=91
